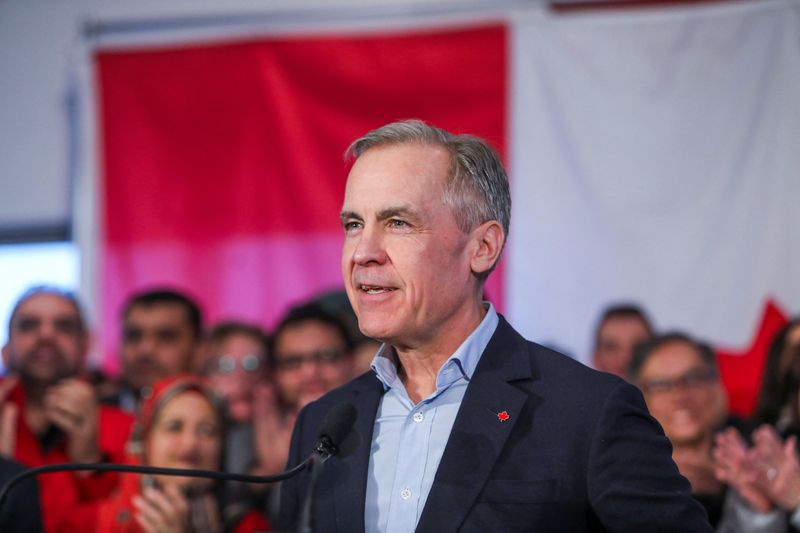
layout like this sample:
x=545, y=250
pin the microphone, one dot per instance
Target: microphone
x=336, y=426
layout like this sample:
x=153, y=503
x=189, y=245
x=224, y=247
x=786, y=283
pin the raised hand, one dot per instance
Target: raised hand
x=161, y=511
x=8, y=418
x=72, y=406
x=779, y=467
x=735, y=466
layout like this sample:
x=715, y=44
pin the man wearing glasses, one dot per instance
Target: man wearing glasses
x=310, y=354
x=682, y=389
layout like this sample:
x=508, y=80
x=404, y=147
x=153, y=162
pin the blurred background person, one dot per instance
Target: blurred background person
x=774, y=403
x=310, y=354
x=181, y=425
x=161, y=335
x=766, y=473
x=234, y=361
x=620, y=328
x=364, y=349
x=50, y=413
x=680, y=382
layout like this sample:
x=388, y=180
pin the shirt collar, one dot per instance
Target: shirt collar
x=461, y=364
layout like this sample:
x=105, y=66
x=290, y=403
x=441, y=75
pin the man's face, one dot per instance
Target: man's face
x=405, y=261
x=235, y=368
x=681, y=392
x=615, y=343
x=46, y=342
x=157, y=342
x=311, y=359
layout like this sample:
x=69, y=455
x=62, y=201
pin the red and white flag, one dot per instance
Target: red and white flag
x=654, y=156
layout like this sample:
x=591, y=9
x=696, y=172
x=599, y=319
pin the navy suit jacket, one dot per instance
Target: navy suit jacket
x=578, y=452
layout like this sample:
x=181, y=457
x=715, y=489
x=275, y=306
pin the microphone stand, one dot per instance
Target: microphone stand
x=306, y=521
x=324, y=450
x=141, y=469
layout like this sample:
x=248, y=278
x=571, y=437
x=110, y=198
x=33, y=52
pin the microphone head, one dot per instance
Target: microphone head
x=338, y=423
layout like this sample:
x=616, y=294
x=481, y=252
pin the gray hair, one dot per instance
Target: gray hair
x=477, y=186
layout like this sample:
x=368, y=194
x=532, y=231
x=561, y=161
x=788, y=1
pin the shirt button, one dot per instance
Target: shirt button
x=405, y=494
x=418, y=416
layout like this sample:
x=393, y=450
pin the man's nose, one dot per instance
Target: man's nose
x=146, y=344
x=310, y=367
x=47, y=329
x=370, y=246
x=190, y=440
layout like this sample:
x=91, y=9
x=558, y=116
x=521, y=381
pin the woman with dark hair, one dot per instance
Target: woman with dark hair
x=773, y=399
x=767, y=474
x=181, y=425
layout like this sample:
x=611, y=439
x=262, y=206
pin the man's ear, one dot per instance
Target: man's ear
x=489, y=239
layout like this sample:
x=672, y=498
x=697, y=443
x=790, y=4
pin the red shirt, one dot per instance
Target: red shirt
x=61, y=492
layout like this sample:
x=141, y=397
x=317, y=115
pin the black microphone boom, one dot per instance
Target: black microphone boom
x=141, y=469
x=337, y=425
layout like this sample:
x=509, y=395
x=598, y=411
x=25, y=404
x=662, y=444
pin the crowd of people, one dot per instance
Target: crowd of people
x=226, y=397
x=744, y=472
x=223, y=397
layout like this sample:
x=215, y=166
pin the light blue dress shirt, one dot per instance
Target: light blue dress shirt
x=408, y=440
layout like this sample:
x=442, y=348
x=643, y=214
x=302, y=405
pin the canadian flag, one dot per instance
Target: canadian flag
x=654, y=156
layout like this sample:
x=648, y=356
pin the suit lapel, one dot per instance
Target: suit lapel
x=351, y=470
x=485, y=419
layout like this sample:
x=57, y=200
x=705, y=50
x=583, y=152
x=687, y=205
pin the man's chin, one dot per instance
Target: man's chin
x=380, y=330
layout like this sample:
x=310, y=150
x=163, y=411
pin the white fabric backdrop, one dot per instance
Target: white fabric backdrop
x=655, y=158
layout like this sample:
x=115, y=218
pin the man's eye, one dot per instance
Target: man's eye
x=352, y=225
x=67, y=326
x=397, y=223
x=28, y=324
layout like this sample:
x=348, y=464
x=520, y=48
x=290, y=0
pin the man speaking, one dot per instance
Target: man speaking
x=463, y=425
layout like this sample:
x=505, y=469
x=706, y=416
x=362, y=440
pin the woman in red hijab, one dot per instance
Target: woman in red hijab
x=180, y=426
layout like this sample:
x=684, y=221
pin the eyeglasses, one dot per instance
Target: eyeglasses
x=691, y=380
x=227, y=364
x=323, y=356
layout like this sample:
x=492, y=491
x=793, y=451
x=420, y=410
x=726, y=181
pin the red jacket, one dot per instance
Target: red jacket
x=61, y=492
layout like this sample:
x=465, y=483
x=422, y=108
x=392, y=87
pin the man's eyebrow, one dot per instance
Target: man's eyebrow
x=344, y=216
x=398, y=211
x=384, y=214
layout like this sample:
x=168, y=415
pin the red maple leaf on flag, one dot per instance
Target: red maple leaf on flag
x=742, y=371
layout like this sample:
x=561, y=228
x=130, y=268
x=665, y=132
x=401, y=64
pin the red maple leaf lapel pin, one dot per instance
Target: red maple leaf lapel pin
x=502, y=416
